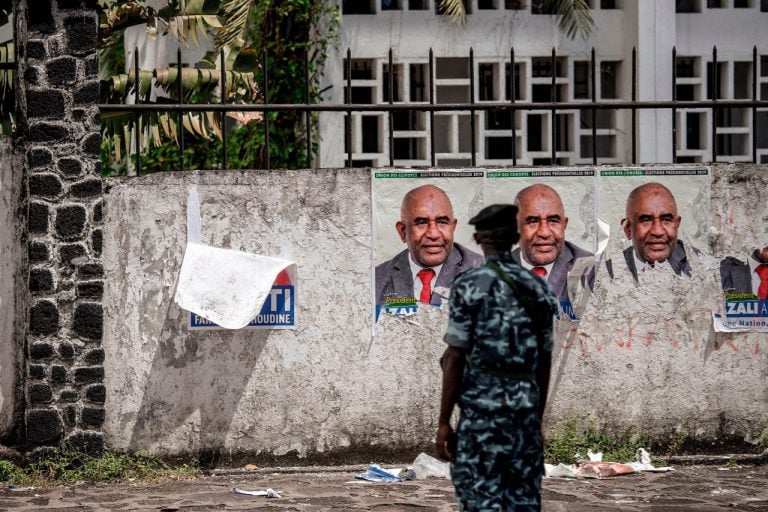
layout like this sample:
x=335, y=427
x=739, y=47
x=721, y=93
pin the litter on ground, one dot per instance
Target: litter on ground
x=269, y=493
x=596, y=468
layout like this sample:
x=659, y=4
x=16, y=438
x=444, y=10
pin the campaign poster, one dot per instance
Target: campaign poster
x=657, y=218
x=422, y=239
x=278, y=311
x=742, y=253
x=556, y=221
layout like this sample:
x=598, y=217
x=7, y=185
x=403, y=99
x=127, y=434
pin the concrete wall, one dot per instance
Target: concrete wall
x=648, y=360
x=11, y=293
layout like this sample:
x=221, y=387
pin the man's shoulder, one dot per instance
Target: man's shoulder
x=389, y=266
x=468, y=257
x=731, y=262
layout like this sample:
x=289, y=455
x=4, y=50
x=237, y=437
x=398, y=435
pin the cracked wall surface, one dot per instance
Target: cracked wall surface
x=643, y=355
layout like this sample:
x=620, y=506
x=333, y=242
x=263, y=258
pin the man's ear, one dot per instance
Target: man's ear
x=627, y=228
x=400, y=227
x=565, y=223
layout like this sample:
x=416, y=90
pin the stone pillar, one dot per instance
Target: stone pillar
x=61, y=142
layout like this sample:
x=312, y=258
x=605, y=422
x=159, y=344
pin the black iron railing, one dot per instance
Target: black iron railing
x=512, y=106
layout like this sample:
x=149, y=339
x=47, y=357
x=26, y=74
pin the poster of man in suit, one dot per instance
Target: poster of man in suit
x=421, y=237
x=556, y=221
x=657, y=219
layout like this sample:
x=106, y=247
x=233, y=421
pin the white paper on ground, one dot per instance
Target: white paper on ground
x=269, y=493
x=225, y=286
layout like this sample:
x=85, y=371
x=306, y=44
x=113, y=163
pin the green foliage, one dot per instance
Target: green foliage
x=677, y=441
x=569, y=442
x=66, y=467
x=247, y=33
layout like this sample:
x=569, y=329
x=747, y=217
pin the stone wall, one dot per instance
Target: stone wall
x=60, y=140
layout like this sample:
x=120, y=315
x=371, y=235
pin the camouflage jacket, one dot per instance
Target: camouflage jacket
x=489, y=321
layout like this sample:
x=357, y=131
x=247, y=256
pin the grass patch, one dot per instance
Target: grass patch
x=568, y=442
x=67, y=467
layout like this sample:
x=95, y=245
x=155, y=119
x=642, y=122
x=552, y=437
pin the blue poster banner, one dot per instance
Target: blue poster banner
x=278, y=312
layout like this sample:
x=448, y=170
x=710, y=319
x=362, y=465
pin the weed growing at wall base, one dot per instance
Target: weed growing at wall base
x=67, y=467
x=569, y=441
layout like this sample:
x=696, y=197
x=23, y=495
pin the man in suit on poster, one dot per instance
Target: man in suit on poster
x=652, y=223
x=425, y=270
x=543, y=249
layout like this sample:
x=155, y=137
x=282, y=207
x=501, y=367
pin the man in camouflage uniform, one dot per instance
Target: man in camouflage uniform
x=497, y=368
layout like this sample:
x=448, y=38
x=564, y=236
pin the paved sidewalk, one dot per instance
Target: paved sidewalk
x=689, y=488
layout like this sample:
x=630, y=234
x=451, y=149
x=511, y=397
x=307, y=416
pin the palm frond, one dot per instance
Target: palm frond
x=236, y=14
x=575, y=17
x=454, y=9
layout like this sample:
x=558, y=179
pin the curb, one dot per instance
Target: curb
x=709, y=460
x=680, y=460
x=289, y=470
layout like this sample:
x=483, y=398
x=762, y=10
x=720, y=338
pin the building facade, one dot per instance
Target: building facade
x=494, y=30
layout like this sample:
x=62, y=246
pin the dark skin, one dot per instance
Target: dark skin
x=453, y=363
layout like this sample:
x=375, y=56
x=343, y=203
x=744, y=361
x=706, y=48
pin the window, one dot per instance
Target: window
x=486, y=82
x=581, y=90
x=742, y=80
x=419, y=82
x=685, y=67
x=742, y=4
x=715, y=82
x=418, y=5
x=541, y=7
x=519, y=76
x=391, y=5
x=542, y=67
x=515, y=5
x=357, y=7
x=715, y=4
x=609, y=80
x=687, y=6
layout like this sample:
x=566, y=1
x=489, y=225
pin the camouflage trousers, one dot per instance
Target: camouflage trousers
x=499, y=462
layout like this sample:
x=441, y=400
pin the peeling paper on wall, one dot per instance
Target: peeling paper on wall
x=222, y=285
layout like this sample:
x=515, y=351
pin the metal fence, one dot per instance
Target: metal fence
x=348, y=108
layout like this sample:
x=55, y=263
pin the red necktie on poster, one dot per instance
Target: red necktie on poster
x=762, y=271
x=539, y=271
x=425, y=275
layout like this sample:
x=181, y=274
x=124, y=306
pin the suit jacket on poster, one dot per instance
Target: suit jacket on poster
x=735, y=275
x=678, y=260
x=394, y=278
x=558, y=276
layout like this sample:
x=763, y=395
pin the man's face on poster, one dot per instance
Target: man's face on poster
x=542, y=222
x=652, y=223
x=427, y=225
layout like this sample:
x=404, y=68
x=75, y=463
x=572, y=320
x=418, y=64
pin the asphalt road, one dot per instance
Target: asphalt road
x=689, y=488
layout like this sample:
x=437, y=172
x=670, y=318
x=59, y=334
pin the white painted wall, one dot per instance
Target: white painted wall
x=10, y=298
x=639, y=357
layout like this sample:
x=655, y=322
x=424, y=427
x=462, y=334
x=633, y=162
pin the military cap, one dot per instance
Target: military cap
x=496, y=216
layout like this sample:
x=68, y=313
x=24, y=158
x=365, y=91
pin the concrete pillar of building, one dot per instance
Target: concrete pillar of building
x=652, y=23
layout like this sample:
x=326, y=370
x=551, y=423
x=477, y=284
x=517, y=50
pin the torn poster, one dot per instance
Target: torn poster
x=224, y=288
